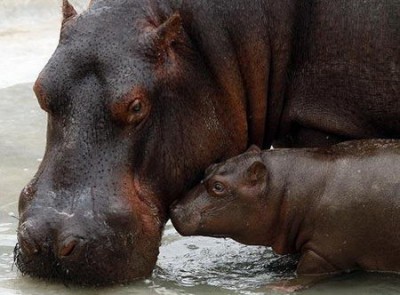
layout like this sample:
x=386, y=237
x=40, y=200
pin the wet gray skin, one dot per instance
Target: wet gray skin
x=186, y=265
x=142, y=96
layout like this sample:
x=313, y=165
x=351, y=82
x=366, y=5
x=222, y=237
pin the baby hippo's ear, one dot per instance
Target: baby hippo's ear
x=256, y=173
x=253, y=149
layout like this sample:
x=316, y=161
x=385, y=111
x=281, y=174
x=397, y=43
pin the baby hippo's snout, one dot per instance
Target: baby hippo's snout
x=185, y=220
x=187, y=213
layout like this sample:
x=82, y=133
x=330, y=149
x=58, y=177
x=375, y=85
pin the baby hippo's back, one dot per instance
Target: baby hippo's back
x=356, y=220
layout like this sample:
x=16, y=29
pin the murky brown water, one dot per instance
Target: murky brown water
x=196, y=265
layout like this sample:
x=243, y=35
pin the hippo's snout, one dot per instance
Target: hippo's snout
x=185, y=221
x=33, y=243
x=84, y=246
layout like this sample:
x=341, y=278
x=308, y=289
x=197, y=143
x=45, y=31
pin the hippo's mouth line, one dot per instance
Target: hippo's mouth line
x=214, y=211
x=55, y=271
x=155, y=211
x=24, y=265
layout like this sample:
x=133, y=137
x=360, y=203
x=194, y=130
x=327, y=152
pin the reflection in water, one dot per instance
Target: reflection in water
x=186, y=265
x=197, y=261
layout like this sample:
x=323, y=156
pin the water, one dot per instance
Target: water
x=186, y=265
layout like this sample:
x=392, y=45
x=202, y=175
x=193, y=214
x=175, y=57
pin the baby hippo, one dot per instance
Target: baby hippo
x=338, y=207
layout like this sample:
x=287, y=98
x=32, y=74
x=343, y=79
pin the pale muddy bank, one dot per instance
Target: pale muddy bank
x=192, y=265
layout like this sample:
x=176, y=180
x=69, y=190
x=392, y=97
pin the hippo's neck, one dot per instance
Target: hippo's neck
x=247, y=47
x=296, y=181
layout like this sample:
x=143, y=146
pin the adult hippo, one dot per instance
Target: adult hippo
x=142, y=95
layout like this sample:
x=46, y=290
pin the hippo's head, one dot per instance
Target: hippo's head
x=229, y=202
x=133, y=120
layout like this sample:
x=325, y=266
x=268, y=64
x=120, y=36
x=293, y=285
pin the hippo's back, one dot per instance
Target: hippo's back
x=346, y=69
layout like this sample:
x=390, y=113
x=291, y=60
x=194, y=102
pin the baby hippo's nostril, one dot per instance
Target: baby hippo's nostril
x=175, y=211
x=185, y=221
x=175, y=207
x=68, y=246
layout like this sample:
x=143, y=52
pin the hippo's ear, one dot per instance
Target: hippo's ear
x=256, y=173
x=170, y=31
x=253, y=149
x=68, y=11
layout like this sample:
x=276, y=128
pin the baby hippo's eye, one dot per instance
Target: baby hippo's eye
x=218, y=187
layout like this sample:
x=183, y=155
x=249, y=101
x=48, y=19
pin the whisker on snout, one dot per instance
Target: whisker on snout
x=12, y=215
x=16, y=254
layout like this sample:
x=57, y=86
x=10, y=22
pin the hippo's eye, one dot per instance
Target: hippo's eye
x=218, y=187
x=136, y=106
x=132, y=108
x=137, y=111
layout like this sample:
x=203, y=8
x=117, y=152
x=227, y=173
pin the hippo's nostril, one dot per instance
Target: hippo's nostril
x=175, y=208
x=27, y=245
x=68, y=247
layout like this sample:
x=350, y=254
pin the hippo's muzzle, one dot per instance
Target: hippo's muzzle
x=185, y=223
x=84, y=241
x=186, y=213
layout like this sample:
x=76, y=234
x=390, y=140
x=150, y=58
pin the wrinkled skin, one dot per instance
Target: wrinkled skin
x=143, y=95
x=338, y=206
